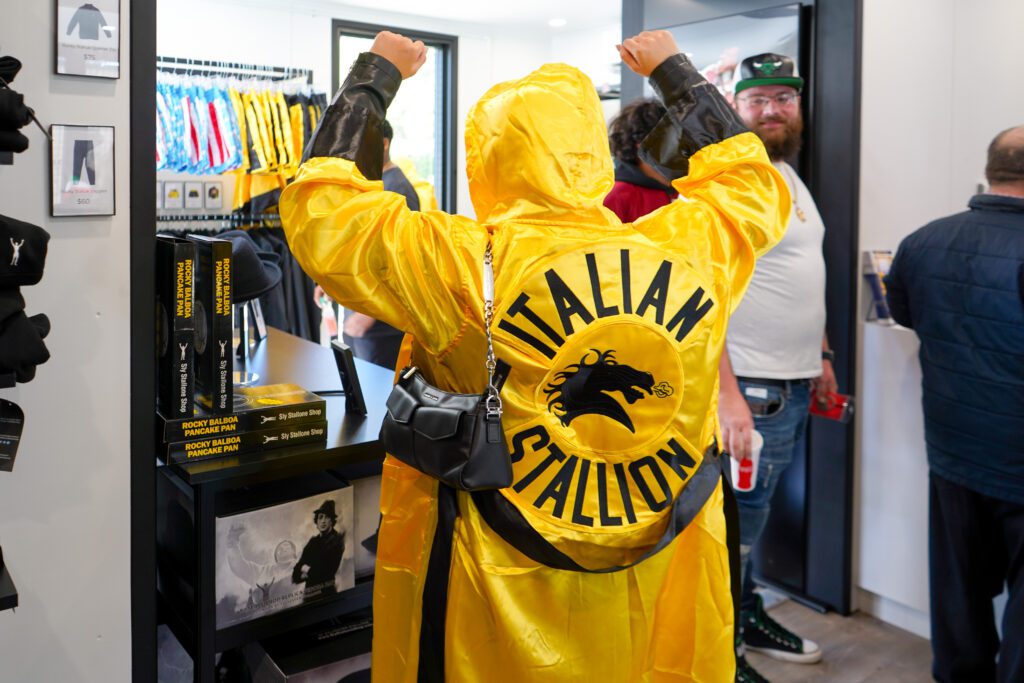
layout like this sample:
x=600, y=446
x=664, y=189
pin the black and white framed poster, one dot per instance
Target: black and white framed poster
x=88, y=38
x=282, y=556
x=82, y=170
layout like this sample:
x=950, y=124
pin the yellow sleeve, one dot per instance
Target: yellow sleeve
x=415, y=271
x=733, y=207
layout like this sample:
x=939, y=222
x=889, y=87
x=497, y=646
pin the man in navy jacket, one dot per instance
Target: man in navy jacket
x=958, y=283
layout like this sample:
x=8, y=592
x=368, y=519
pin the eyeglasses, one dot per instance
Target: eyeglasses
x=783, y=99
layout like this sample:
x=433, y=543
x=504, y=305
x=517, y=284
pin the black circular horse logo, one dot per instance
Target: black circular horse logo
x=585, y=388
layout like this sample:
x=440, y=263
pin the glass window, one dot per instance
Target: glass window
x=422, y=114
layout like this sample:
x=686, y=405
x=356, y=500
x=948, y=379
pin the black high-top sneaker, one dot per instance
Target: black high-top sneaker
x=763, y=634
x=746, y=673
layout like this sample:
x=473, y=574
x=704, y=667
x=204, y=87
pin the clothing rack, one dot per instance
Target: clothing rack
x=216, y=222
x=205, y=67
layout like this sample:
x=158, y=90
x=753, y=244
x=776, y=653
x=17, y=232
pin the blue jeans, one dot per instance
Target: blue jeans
x=783, y=425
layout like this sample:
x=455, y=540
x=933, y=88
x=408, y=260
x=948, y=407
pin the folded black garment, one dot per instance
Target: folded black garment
x=11, y=302
x=22, y=253
x=13, y=112
x=12, y=141
x=21, y=343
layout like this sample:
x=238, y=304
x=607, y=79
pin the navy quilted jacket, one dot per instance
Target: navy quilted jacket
x=958, y=283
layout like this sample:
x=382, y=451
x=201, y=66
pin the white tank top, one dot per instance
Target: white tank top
x=776, y=331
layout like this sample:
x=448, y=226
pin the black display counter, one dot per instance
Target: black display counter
x=190, y=496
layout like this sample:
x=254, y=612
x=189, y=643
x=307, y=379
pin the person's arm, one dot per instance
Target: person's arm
x=332, y=559
x=298, y=576
x=1020, y=283
x=357, y=324
x=736, y=204
x=239, y=564
x=896, y=291
x=404, y=188
x=825, y=383
x=733, y=412
x=363, y=245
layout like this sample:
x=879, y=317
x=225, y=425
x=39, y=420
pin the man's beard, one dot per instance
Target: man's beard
x=781, y=143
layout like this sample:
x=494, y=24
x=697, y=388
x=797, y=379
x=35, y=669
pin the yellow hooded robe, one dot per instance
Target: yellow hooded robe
x=608, y=337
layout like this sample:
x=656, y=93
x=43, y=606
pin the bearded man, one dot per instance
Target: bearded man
x=777, y=357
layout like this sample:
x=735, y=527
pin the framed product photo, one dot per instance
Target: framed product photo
x=81, y=170
x=214, y=198
x=174, y=194
x=88, y=38
x=193, y=195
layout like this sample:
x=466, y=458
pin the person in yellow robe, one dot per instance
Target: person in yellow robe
x=607, y=559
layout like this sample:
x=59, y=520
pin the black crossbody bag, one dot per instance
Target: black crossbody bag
x=455, y=438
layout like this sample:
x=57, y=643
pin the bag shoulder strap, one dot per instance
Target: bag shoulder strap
x=493, y=401
x=506, y=519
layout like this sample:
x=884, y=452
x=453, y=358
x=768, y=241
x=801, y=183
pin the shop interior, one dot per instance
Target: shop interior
x=119, y=563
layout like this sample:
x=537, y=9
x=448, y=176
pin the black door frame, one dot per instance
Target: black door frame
x=831, y=163
x=142, y=326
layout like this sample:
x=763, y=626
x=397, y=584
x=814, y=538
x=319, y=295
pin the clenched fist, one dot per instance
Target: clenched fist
x=645, y=51
x=407, y=56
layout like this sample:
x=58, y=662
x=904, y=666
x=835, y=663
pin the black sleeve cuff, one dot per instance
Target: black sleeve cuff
x=350, y=128
x=697, y=116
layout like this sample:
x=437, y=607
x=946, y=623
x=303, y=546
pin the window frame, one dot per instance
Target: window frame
x=449, y=47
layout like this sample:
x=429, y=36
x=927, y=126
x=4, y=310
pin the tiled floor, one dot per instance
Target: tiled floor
x=856, y=649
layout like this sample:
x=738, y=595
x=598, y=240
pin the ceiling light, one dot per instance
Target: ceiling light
x=557, y=22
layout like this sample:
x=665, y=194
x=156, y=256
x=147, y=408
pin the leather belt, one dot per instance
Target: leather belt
x=784, y=383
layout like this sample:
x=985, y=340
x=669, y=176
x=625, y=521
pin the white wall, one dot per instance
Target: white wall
x=298, y=34
x=64, y=510
x=592, y=51
x=939, y=79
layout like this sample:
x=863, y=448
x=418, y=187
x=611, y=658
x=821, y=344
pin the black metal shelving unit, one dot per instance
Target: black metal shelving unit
x=8, y=593
x=190, y=497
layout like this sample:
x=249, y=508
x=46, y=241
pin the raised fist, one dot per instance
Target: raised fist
x=645, y=51
x=407, y=56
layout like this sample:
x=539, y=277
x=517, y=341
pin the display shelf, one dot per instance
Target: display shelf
x=354, y=599
x=352, y=444
x=351, y=439
x=189, y=496
x=8, y=593
x=347, y=602
x=296, y=653
x=285, y=358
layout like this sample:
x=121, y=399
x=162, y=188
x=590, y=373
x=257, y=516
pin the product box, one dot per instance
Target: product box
x=876, y=267
x=282, y=556
x=246, y=442
x=175, y=326
x=333, y=654
x=214, y=352
x=254, y=408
